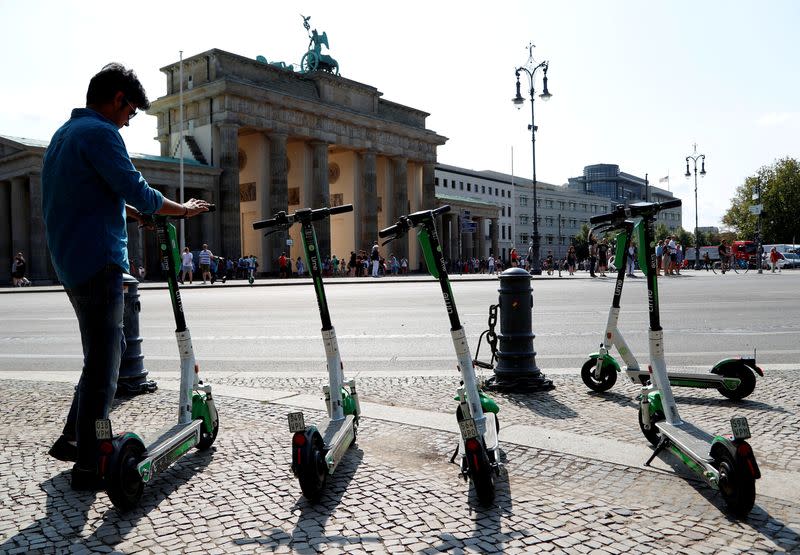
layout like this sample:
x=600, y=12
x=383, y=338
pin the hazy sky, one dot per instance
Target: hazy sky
x=634, y=83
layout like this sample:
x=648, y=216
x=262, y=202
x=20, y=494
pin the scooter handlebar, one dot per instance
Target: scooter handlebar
x=621, y=211
x=282, y=218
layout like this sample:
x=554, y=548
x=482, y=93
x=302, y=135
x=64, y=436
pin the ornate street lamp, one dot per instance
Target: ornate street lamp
x=695, y=157
x=530, y=68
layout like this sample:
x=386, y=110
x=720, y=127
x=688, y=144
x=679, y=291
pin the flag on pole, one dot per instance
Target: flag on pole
x=664, y=179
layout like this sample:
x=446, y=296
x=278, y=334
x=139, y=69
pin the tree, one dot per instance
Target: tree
x=779, y=185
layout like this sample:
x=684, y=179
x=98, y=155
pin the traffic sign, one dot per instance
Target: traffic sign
x=756, y=209
x=468, y=227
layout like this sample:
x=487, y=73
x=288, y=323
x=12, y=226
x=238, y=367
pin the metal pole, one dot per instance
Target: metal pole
x=536, y=267
x=759, y=247
x=696, y=225
x=180, y=142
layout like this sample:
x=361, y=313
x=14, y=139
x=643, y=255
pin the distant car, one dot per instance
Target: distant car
x=790, y=260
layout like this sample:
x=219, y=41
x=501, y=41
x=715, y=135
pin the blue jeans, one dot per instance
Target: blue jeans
x=99, y=305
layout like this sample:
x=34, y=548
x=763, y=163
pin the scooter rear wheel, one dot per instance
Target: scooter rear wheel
x=313, y=472
x=123, y=483
x=482, y=475
x=608, y=376
x=747, y=381
x=736, y=484
x=652, y=435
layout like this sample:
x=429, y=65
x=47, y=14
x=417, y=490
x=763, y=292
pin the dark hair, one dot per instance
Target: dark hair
x=114, y=78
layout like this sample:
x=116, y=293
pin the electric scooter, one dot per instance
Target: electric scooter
x=127, y=461
x=476, y=413
x=316, y=451
x=734, y=378
x=725, y=462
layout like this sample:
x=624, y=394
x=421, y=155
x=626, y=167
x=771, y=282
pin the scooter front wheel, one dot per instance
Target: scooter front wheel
x=652, y=435
x=747, y=381
x=736, y=484
x=607, y=379
x=207, y=438
x=123, y=483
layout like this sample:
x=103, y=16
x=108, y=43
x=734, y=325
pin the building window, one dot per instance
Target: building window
x=523, y=238
x=503, y=229
x=444, y=183
x=548, y=204
x=523, y=219
x=436, y=181
x=503, y=209
x=548, y=221
x=469, y=187
x=461, y=185
x=496, y=192
x=483, y=189
x=561, y=205
x=549, y=239
x=509, y=211
x=572, y=206
x=523, y=201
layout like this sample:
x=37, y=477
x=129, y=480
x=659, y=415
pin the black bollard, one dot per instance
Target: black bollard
x=516, y=369
x=132, y=374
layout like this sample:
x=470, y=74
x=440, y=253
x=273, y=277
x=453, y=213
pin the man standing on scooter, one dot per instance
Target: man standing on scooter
x=89, y=185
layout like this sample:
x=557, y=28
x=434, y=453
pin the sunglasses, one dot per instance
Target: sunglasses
x=133, y=110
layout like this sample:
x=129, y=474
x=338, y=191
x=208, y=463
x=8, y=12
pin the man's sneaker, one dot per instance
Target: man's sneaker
x=64, y=449
x=85, y=480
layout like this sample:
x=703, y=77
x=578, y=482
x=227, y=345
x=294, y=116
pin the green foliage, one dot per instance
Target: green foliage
x=581, y=242
x=779, y=185
x=662, y=231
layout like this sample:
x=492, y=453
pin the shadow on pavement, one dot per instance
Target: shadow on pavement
x=758, y=519
x=67, y=511
x=541, y=403
x=311, y=521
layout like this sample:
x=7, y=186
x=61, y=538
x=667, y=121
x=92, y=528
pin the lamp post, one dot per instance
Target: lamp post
x=759, y=244
x=695, y=157
x=530, y=68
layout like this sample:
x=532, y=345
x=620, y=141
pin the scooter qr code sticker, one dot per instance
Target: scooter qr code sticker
x=740, y=427
x=296, y=422
x=102, y=428
x=468, y=428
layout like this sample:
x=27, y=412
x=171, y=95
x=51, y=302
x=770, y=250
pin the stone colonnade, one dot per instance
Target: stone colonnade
x=22, y=227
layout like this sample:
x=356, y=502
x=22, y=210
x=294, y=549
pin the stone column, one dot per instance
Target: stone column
x=400, y=246
x=454, y=231
x=467, y=242
x=20, y=219
x=6, y=255
x=262, y=194
x=321, y=194
x=278, y=199
x=495, y=237
x=39, y=256
x=163, y=140
x=228, y=202
x=368, y=201
x=480, y=238
x=428, y=186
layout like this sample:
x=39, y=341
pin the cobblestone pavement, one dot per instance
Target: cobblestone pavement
x=773, y=409
x=394, y=492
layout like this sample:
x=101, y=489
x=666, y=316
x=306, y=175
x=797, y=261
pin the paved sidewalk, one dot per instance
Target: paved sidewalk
x=573, y=481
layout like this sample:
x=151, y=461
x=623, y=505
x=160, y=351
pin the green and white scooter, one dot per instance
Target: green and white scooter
x=476, y=413
x=725, y=462
x=127, y=461
x=734, y=378
x=316, y=451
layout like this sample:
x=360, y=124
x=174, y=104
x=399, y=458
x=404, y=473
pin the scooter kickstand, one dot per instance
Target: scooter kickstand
x=662, y=444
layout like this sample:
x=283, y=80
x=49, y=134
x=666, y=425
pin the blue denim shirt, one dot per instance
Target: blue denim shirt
x=87, y=178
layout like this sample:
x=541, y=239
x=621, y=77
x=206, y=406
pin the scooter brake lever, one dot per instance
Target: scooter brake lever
x=389, y=240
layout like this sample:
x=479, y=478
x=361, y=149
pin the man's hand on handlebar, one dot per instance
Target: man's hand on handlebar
x=195, y=206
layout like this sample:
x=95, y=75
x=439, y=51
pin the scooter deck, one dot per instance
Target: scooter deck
x=688, y=438
x=337, y=436
x=692, y=379
x=170, y=438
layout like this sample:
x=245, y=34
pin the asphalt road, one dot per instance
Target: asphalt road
x=394, y=328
